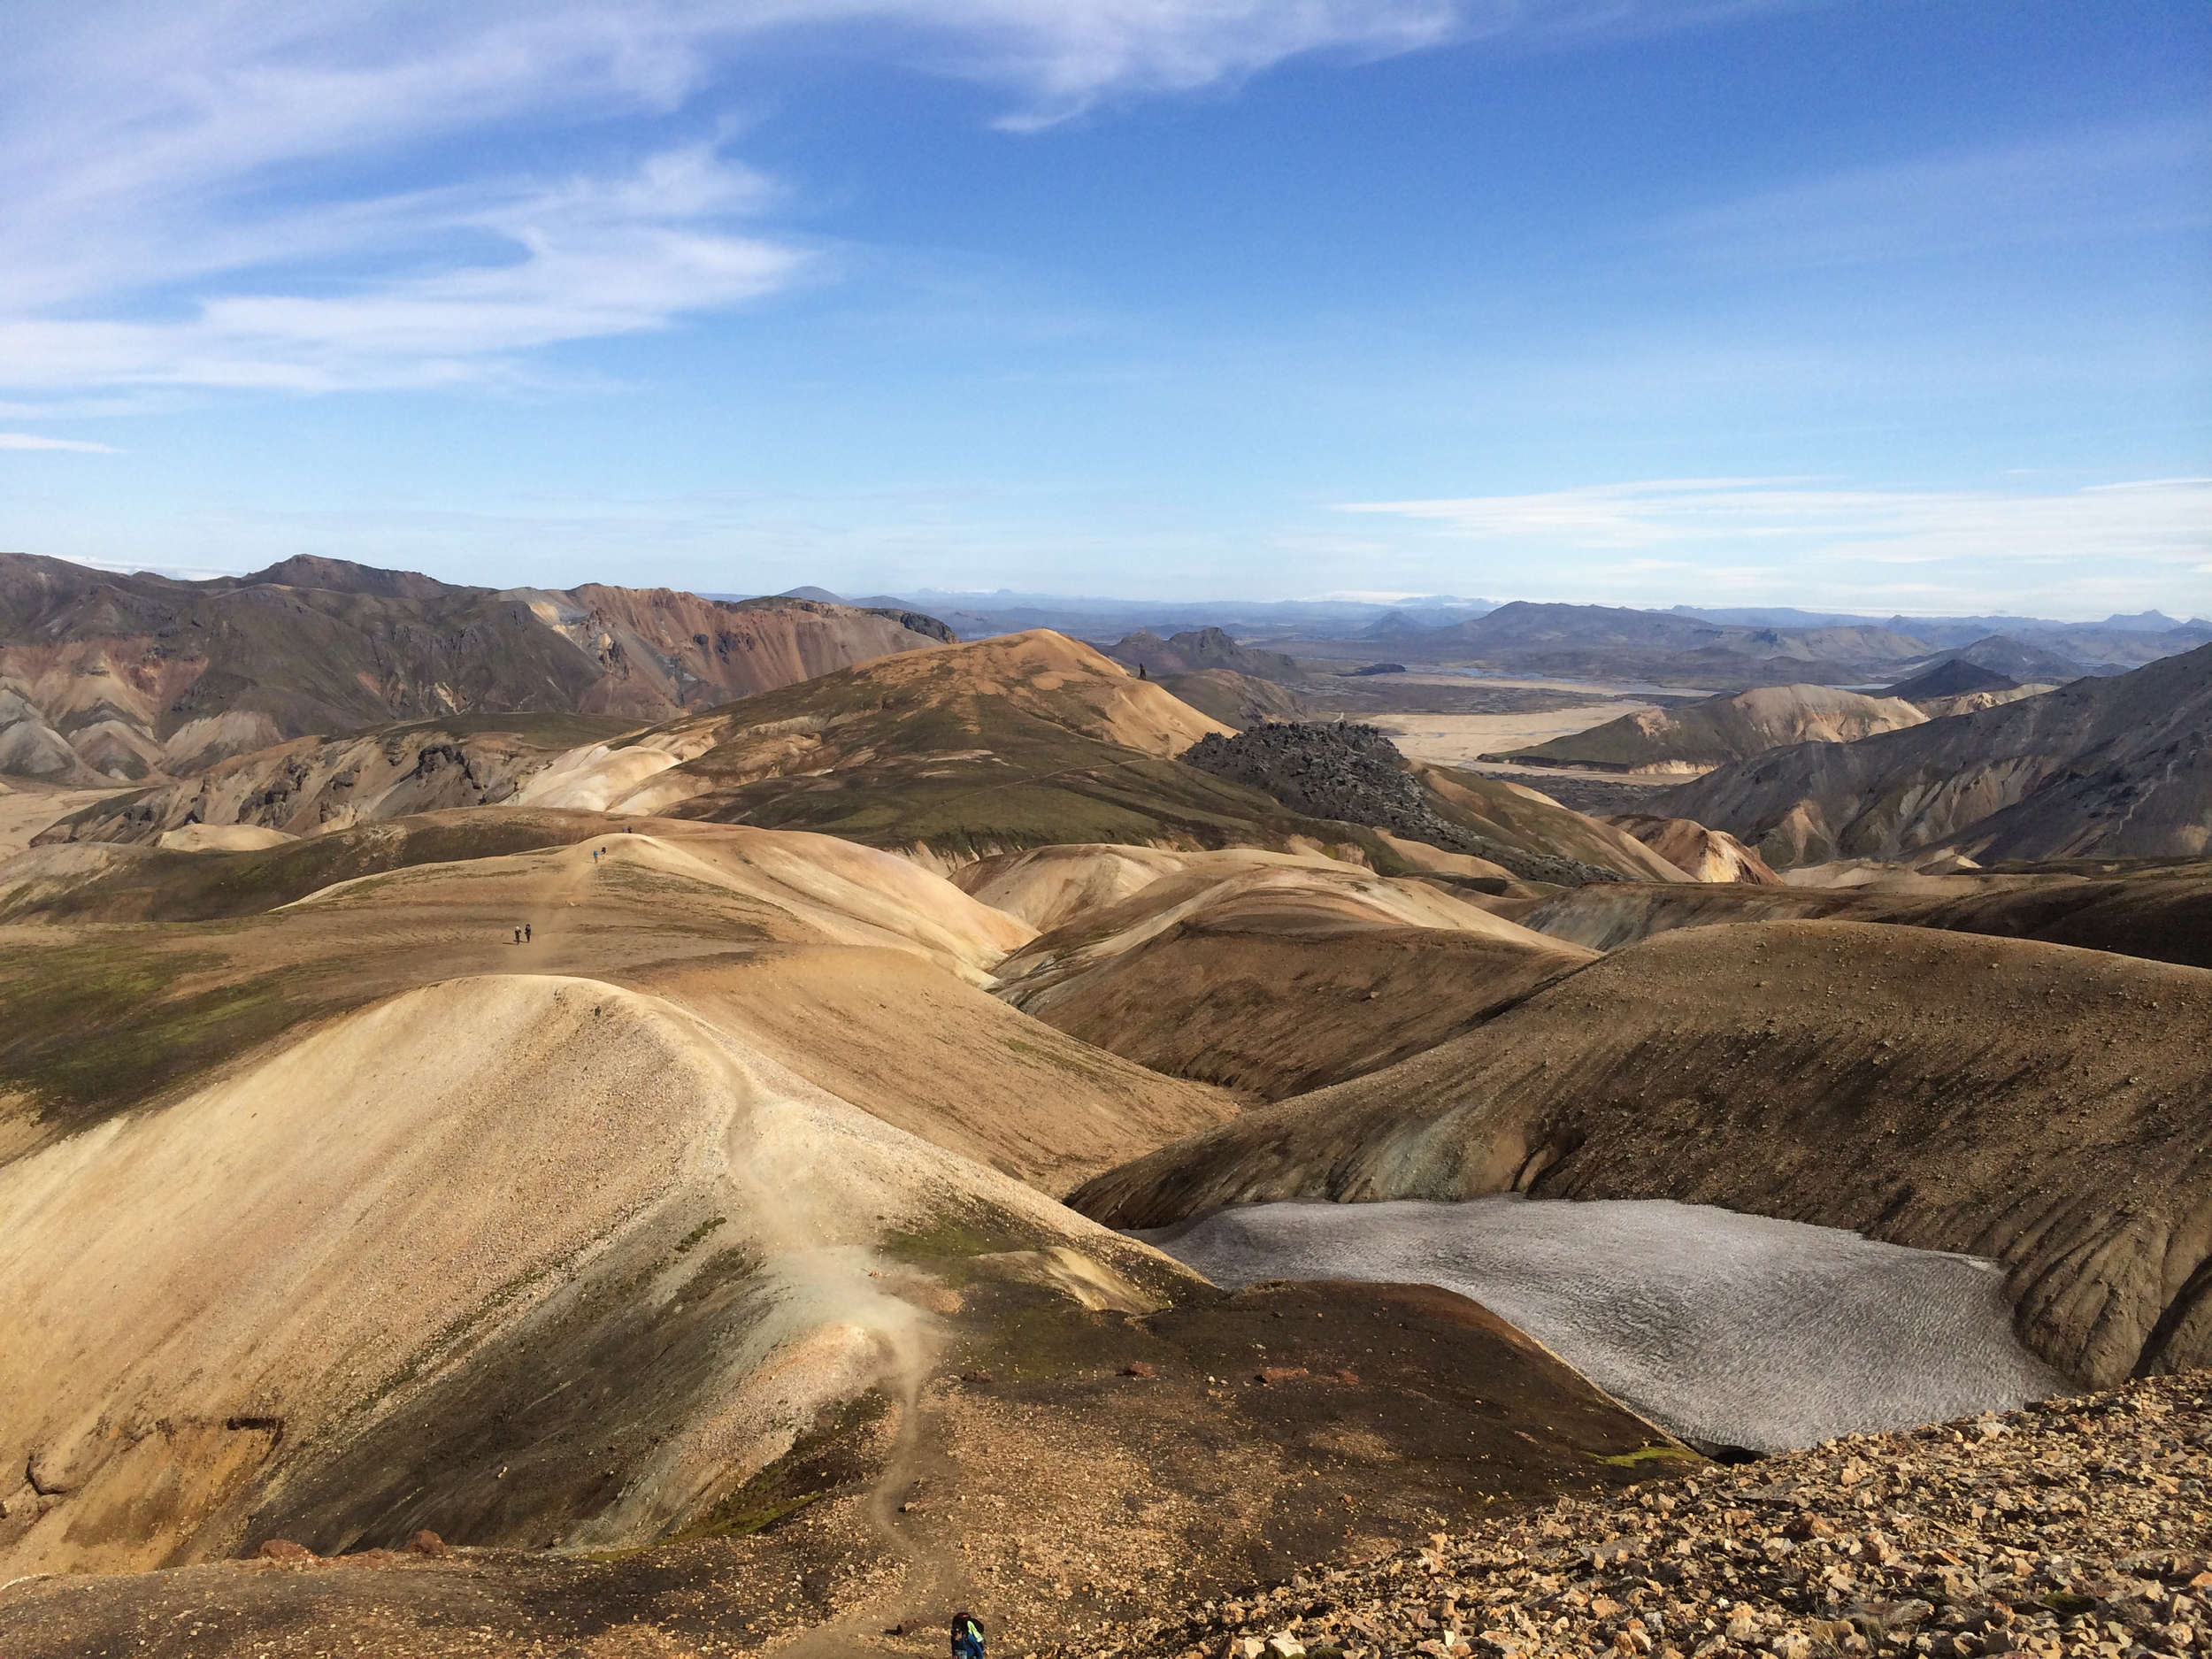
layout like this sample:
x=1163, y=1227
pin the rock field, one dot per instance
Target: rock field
x=1354, y=773
x=2076, y=1526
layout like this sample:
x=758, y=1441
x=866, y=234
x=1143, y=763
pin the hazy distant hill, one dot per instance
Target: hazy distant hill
x=106, y=676
x=1611, y=641
x=1720, y=729
x=1953, y=676
x=1197, y=650
x=2116, y=767
x=2017, y=662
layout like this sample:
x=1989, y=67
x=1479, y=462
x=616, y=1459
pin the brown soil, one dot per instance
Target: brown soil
x=1274, y=1012
x=1049, y=1490
x=2161, y=910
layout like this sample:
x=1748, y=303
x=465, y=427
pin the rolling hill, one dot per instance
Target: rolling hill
x=2113, y=767
x=714, y=1219
x=1699, y=735
x=1261, y=973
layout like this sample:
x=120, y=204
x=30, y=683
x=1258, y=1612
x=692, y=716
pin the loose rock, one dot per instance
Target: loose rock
x=2076, y=1526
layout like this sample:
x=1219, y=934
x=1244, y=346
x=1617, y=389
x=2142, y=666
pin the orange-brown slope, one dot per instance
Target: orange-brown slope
x=2160, y=910
x=661, y=650
x=2030, y=1103
x=1701, y=854
x=1021, y=740
x=1277, y=977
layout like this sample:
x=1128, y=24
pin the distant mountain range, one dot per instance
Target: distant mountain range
x=107, y=677
x=1724, y=649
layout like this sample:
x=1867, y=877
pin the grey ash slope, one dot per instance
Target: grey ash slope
x=2113, y=767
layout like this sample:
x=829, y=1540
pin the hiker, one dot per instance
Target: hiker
x=967, y=1637
x=1140, y=673
x=525, y=932
x=518, y=935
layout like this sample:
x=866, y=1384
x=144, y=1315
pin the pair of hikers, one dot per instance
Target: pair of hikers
x=522, y=935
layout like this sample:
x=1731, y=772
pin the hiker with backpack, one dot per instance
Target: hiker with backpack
x=967, y=1637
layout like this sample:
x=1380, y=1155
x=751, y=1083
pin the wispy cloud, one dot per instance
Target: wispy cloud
x=580, y=259
x=2168, y=518
x=2071, y=550
x=263, y=194
x=2126, y=180
x=32, y=440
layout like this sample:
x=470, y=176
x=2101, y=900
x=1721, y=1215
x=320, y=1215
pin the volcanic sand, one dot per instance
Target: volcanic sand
x=1458, y=739
x=26, y=808
x=2029, y=1103
x=1728, y=1330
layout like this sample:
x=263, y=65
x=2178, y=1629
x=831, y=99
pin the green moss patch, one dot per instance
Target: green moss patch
x=823, y=1463
x=1653, y=1453
x=90, y=1029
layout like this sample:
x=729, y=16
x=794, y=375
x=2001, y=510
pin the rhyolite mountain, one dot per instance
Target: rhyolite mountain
x=2111, y=767
x=120, y=677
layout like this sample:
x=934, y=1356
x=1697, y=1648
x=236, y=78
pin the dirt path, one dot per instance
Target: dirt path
x=933, y=1579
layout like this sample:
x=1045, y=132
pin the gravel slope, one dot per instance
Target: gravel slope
x=2074, y=1527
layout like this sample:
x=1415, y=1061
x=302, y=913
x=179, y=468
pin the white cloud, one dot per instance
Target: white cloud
x=2168, y=518
x=266, y=194
x=31, y=440
x=581, y=259
x=1785, y=540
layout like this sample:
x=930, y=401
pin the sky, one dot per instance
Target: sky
x=1874, y=306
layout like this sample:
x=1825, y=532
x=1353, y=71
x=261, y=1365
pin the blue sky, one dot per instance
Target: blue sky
x=1890, y=306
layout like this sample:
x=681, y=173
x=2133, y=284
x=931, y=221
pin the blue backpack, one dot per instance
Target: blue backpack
x=967, y=1637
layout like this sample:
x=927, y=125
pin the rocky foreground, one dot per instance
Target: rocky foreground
x=2076, y=1526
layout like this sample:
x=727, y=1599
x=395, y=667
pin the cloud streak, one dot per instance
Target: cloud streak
x=265, y=194
x=1917, y=548
x=2123, y=181
x=32, y=442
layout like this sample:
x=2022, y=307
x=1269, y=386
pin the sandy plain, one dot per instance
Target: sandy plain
x=26, y=808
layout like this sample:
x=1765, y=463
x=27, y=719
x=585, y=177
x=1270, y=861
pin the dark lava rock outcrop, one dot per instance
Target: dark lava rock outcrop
x=1355, y=774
